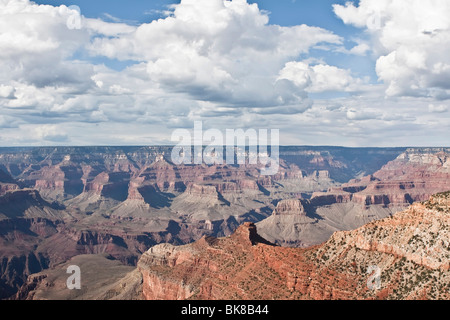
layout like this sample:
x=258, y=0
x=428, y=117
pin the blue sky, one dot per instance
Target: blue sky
x=133, y=11
x=282, y=12
x=362, y=73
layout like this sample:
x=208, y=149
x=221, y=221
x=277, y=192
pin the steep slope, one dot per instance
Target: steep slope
x=410, y=249
x=28, y=204
x=25, y=221
x=5, y=178
x=18, y=256
x=293, y=223
x=7, y=183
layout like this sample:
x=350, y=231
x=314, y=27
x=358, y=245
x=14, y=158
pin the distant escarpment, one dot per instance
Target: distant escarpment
x=412, y=177
x=401, y=257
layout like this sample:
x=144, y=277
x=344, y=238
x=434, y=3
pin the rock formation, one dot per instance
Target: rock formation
x=59, y=202
x=410, y=250
x=412, y=177
x=289, y=207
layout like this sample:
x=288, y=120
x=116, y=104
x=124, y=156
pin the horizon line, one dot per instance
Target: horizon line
x=206, y=145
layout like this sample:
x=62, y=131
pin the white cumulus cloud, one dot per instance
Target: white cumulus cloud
x=412, y=40
x=320, y=77
x=215, y=50
x=51, y=133
x=67, y=79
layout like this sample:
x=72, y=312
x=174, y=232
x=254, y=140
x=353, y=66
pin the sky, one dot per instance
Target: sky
x=368, y=73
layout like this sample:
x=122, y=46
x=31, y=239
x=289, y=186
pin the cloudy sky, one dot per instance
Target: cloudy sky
x=361, y=73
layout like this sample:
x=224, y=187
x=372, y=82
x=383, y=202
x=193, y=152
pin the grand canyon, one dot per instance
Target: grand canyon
x=141, y=227
x=201, y=153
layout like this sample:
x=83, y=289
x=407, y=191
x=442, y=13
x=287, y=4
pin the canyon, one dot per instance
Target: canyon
x=402, y=257
x=57, y=204
x=411, y=177
x=410, y=249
